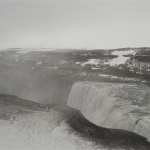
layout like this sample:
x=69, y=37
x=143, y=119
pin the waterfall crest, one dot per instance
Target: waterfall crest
x=114, y=105
x=30, y=125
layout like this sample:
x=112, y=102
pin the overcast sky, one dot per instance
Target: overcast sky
x=76, y=24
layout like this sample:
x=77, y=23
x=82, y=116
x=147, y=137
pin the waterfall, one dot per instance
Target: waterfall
x=114, y=105
x=30, y=125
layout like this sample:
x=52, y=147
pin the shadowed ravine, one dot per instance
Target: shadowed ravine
x=30, y=125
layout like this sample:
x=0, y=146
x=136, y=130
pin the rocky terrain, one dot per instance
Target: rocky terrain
x=43, y=73
x=47, y=76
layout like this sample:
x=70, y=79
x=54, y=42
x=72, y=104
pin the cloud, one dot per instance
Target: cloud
x=74, y=24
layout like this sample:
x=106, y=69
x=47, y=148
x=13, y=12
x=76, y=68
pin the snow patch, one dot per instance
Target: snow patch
x=91, y=62
x=39, y=63
x=120, y=53
x=121, y=78
x=120, y=59
x=53, y=68
x=77, y=63
x=95, y=68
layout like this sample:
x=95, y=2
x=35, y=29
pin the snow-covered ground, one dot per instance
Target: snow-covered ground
x=39, y=63
x=81, y=63
x=91, y=62
x=120, y=59
x=121, y=78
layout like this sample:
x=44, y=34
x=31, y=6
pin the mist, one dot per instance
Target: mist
x=36, y=85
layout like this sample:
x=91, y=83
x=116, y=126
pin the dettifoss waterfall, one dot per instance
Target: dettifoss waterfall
x=113, y=105
x=100, y=111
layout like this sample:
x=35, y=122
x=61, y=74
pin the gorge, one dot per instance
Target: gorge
x=74, y=99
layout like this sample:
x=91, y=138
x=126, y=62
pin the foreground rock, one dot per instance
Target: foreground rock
x=28, y=125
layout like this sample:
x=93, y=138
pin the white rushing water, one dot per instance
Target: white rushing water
x=28, y=125
x=119, y=106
